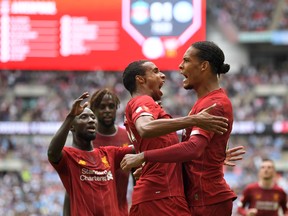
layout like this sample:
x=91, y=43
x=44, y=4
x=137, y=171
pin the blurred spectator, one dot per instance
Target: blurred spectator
x=63, y=86
x=247, y=15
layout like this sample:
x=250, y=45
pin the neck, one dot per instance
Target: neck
x=206, y=90
x=207, y=86
x=138, y=93
x=266, y=183
x=106, y=130
x=83, y=145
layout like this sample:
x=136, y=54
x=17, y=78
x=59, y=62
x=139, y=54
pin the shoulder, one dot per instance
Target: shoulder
x=70, y=149
x=107, y=149
x=138, y=102
x=142, y=99
x=279, y=188
x=121, y=130
x=114, y=150
x=143, y=105
x=252, y=186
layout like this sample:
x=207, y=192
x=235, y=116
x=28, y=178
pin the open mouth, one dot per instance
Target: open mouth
x=183, y=74
x=185, y=77
x=161, y=84
x=91, y=129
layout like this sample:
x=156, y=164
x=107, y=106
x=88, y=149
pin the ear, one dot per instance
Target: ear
x=140, y=79
x=205, y=65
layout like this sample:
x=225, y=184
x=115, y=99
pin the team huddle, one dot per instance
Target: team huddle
x=173, y=178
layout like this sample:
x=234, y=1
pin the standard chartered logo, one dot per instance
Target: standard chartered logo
x=96, y=175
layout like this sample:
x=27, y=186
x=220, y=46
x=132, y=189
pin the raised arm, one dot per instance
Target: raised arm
x=147, y=127
x=59, y=139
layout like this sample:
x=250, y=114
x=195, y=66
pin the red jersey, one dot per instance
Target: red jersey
x=266, y=201
x=88, y=177
x=204, y=181
x=119, y=139
x=158, y=180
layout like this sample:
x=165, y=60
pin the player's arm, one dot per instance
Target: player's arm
x=66, y=205
x=148, y=127
x=180, y=152
x=247, y=212
x=59, y=139
x=241, y=209
x=284, y=204
x=245, y=202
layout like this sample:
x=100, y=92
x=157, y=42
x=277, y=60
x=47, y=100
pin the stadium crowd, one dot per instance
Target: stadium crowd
x=62, y=87
x=258, y=15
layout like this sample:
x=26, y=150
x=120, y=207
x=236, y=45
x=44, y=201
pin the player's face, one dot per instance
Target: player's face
x=191, y=69
x=154, y=80
x=85, y=125
x=267, y=170
x=106, y=112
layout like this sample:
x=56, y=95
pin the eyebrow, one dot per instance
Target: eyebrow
x=155, y=69
x=89, y=114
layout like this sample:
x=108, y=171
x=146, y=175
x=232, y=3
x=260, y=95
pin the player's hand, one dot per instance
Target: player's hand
x=131, y=160
x=216, y=124
x=77, y=108
x=137, y=173
x=252, y=212
x=234, y=154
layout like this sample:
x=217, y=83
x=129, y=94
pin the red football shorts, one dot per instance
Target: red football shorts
x=170, y=206
x=222, y=208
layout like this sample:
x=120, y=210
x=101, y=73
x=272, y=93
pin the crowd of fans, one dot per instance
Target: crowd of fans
x=256, y=15
x=63, y=87
x=283, y=23
x=34, y=187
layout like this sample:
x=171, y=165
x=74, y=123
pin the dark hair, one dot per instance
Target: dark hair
x=209, y=51
x=267, y=160
x=131, y=71
x=98, y=95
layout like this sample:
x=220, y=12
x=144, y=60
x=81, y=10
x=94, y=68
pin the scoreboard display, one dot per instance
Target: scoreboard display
x=97, y=34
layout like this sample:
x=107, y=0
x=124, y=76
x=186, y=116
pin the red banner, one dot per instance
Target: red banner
x=97, y=34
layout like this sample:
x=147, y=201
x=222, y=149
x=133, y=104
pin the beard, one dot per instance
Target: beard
x=87, y=136
x=106, y=124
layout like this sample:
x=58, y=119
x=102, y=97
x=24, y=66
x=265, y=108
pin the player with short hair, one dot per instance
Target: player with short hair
x=265, y=197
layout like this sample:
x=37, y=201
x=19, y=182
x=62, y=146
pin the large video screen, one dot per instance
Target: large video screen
x=97, y=34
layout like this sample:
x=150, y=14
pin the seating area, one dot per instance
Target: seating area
x=257, y=15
